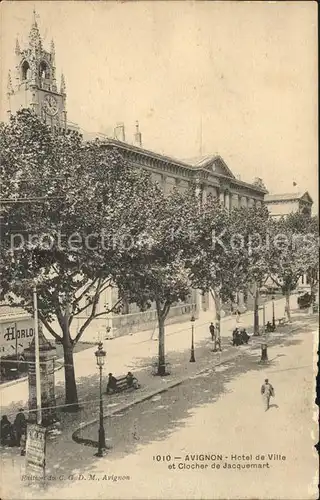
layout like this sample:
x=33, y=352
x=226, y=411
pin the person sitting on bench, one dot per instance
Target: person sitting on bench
x=244, y=336
x=6, y=432
x=236, y=337
x=132, y=381
x=269, y=327
x=112, y=384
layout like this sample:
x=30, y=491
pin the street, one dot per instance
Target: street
x=218, y=413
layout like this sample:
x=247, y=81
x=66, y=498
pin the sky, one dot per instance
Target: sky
x=234, y=78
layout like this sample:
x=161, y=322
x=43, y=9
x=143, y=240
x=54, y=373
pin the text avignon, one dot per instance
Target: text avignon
x=203, y=457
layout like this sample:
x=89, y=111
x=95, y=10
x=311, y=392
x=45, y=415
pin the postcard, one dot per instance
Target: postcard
x=159, y=258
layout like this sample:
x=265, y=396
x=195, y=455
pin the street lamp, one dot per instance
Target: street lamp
x=100, y=356
x=273, y=316
x=192, y=358
x=264, y=345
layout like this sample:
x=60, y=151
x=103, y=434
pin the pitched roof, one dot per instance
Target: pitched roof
x=287, y=197
x=208, y=161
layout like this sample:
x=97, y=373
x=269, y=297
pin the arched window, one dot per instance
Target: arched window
x=25, y=70
x=44, y=70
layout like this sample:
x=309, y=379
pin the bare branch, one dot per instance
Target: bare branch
x=49, y=327
x=91, y=318
x=276, y=281
x=87, y=288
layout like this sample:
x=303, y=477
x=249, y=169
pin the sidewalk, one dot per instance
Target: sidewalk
x=132, y=352
x=135, y=353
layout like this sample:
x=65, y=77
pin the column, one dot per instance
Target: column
x=234, y=201
x=221, y=197
x=47, y=354
x=243, y=202
x=227, y=200
x=250, y=203
x=204, y=194
x=163, y=182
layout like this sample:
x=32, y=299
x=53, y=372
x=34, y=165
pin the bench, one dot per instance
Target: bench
x=282, y=321
x=122, y=385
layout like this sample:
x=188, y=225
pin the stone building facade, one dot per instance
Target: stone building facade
x=280, y=205
x=212, y=176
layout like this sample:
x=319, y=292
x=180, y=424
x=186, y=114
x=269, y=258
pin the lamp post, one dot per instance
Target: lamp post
x=37, y=356
x=192, y=358
x=273, y=316
x=100, y=356
x=264, y=345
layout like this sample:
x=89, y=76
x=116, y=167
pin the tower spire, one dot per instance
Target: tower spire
x=34, y=35
x=17, y=49
x=9, y=84
x=52, y=49
x=63, y=84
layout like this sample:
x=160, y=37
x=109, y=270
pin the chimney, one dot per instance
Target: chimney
x=119, y=132
x=137, y=136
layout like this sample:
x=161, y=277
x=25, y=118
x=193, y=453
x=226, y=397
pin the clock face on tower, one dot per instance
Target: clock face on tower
x=50, y=105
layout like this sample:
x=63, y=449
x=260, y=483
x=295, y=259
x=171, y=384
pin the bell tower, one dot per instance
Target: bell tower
x=34, y=83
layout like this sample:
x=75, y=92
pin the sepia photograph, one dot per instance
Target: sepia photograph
x=159, y=250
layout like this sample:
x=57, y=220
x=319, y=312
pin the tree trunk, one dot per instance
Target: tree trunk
x=71, y=395
x=217, y=329
x=313, y=291
x=256, y=311
x=245, y=298
x=287, y=306
x=161, y=351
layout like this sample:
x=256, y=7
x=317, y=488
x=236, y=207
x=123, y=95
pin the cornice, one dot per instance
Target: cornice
x=170, y=166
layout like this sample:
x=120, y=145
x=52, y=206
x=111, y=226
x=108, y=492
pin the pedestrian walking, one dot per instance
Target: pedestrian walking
x=211, y=329
x=267, y=391
x=238, y=314
x=23, y=442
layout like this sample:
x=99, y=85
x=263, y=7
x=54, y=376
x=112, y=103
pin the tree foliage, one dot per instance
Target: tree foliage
x=157, y=271
x=294, y=252
x=69, y=208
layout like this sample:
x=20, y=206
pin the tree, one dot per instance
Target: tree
x=294, y=252
x=230, y=252
x=214, y=267
x=68, y=206
x=252, y=225
x=157, y=270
